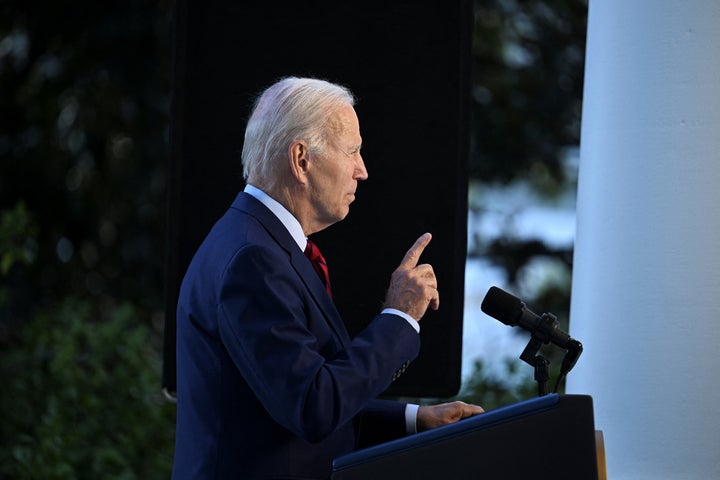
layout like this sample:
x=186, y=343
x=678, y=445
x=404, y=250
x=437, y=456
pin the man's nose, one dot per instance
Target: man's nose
x=360, y=170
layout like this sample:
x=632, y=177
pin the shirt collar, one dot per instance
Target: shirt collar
x=286, y=218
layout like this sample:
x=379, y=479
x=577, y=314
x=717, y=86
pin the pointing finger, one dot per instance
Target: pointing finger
x=412, y=256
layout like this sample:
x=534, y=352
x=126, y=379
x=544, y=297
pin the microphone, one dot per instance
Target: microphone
x=512, y=311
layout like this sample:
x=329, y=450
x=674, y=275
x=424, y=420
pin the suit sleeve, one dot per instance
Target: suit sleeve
x=296, y=365
x=379, y=422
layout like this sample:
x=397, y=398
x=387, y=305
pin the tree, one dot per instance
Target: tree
x=528, y=59
x=84, y=103
x=82, y=140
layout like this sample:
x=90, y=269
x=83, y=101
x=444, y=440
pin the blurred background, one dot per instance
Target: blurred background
x=84, y=117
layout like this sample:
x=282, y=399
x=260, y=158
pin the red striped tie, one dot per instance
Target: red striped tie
x=319, y=264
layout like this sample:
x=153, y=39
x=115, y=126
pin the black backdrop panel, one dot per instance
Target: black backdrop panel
x=408, y=64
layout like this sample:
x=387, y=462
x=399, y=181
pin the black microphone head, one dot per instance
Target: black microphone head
x=502, y=306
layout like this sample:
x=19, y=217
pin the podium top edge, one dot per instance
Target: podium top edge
x=477, y=422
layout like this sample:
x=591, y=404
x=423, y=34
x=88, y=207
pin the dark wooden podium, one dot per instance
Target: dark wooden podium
x=550, y=437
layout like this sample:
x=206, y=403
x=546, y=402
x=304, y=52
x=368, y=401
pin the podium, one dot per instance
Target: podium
x=549, y=437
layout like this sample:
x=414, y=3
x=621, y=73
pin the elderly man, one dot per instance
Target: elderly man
x=270, y=385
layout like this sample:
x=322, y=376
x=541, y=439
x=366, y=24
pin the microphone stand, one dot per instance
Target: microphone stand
x=572, y=353
x=540, y=363
x=573, y=349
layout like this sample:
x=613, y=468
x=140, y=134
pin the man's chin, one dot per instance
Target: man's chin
x=333, y=219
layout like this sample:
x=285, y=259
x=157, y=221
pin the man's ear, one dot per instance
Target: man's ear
x=298, y=156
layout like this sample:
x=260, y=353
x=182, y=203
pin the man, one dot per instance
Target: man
x=270, y=385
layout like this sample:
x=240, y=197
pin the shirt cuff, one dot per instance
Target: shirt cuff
x=411, y=418
x=414, y=323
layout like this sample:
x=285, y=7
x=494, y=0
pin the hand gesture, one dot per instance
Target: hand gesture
x=413, y=287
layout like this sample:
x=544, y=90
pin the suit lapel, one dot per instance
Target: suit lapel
x=300, y=263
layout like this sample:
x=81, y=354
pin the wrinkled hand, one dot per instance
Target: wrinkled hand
x=433, y=416
x=413, y=287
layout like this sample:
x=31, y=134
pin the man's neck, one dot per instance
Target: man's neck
x=288, y=219
x=296, y=201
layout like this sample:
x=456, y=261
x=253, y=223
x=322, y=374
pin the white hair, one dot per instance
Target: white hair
x=289, y=110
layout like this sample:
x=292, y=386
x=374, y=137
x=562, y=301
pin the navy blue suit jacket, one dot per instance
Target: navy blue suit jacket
x=269, y=384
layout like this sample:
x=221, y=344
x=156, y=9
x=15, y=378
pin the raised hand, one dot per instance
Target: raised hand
x=413, y=288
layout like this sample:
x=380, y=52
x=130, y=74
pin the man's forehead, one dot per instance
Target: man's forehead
x=343, y=120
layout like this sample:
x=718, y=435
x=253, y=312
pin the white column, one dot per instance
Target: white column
x=646, y=280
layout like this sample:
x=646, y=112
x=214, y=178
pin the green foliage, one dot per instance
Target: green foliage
x=527, y=75
x=83, y=389
x=17, y=237
x=85, y=102
x=18, y=249
x=490, y=391
x=85, y=107
x=528, y=59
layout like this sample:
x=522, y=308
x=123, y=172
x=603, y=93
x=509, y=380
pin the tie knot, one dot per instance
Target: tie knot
x=313, y=252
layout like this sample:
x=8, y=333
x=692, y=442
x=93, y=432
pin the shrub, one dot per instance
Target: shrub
x=81, y=398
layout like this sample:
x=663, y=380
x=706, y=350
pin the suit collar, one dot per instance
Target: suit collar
x=283, y=214
x=275, y=228
x=254, y=207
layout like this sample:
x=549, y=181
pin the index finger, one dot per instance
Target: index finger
x=412, y=256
